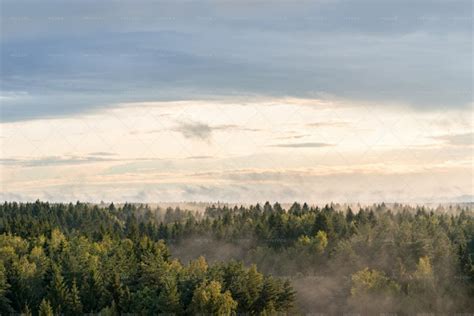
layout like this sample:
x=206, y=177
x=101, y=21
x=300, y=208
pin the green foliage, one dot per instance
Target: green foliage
x=5, y=307
x=316, y=244
x=169, y=299
x=80, y=258
x=74, y=305
x=368, y=281
x=209, y=299
x=117, y=273
x=58, y=293
x=45, y=308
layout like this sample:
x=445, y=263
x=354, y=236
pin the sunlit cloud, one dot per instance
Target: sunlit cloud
x=235, y=151
x=465, y=139
x=301, y=145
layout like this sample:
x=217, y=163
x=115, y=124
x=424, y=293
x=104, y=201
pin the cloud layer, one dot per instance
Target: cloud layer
x=61, y=59
x=212, y=150
x=144, y=100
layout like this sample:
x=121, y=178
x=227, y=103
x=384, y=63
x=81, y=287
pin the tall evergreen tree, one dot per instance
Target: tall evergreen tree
x=208, y=299
x=45, y=308
x=169, y=298
x=5, y=304
x=75, y=305
x=57, y=291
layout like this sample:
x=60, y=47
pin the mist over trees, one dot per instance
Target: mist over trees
x=262, y=259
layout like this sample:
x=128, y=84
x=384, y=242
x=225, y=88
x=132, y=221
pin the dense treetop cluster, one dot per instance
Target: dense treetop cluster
x=83, y=258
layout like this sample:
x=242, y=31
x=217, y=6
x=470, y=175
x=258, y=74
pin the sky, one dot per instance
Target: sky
x=236, y=101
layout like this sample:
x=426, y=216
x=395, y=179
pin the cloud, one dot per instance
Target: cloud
x=199, y=157
x=302, y=145
x=293, y=136
x=102, y=153
x=60, y=160
x=203, y=131
x=466, y=139
x=328, y=124
x=249, y=187
x=123, y=51
x=195, y=130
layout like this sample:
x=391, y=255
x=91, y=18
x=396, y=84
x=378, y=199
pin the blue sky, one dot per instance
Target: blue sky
x=78, y=60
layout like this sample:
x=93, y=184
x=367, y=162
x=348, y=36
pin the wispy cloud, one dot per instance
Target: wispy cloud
x=328, y=124
x=53, y=161
x=102, y=153
x=465, y=139
x=293, y=136
x=151, y=131
x=199, y=157
x=302, y=145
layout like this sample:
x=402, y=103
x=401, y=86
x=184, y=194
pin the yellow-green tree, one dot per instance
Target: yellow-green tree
x=208, y=299
x=45, y=308
x=320, y=241
x=371, y=281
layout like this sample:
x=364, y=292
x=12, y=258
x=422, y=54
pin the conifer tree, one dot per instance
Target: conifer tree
x=75, y=305
x=169, y=299
x=5, y=307
x=58, y=292
x=286, y=297
x=45, y=308
x=208, y=299
x=94, y=294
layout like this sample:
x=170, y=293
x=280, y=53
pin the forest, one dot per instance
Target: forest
x=82, y=258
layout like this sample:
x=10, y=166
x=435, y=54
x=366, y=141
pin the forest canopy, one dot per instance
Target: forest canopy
x=261, y=259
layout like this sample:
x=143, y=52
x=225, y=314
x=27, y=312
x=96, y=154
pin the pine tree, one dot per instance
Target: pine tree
x=322, y=222
x=295, y=209
x=168, y=300
x=268, y=296
x=286, y=297
x=5, y=307
x=120, y=294
x=132, y=229
x=58, y=292
x=208, y=299
x=94, y=293
x=162, y=231
x=75, y=305
x=45, y=309
x=26, y=311
x=349, y=215
x=254, y=285
x=320, y=241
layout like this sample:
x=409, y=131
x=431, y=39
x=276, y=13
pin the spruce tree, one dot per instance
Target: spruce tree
x=5, y=304
x=169, y=298
x=45, y=309
x=58, y=292
x=94, y=294
x=75, y=305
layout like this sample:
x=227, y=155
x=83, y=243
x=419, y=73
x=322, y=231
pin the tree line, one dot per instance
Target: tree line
x=82, y=258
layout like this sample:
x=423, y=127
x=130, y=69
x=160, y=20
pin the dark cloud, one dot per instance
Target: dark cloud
x=204, y=131
x=195, y=130
x=62, y=59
